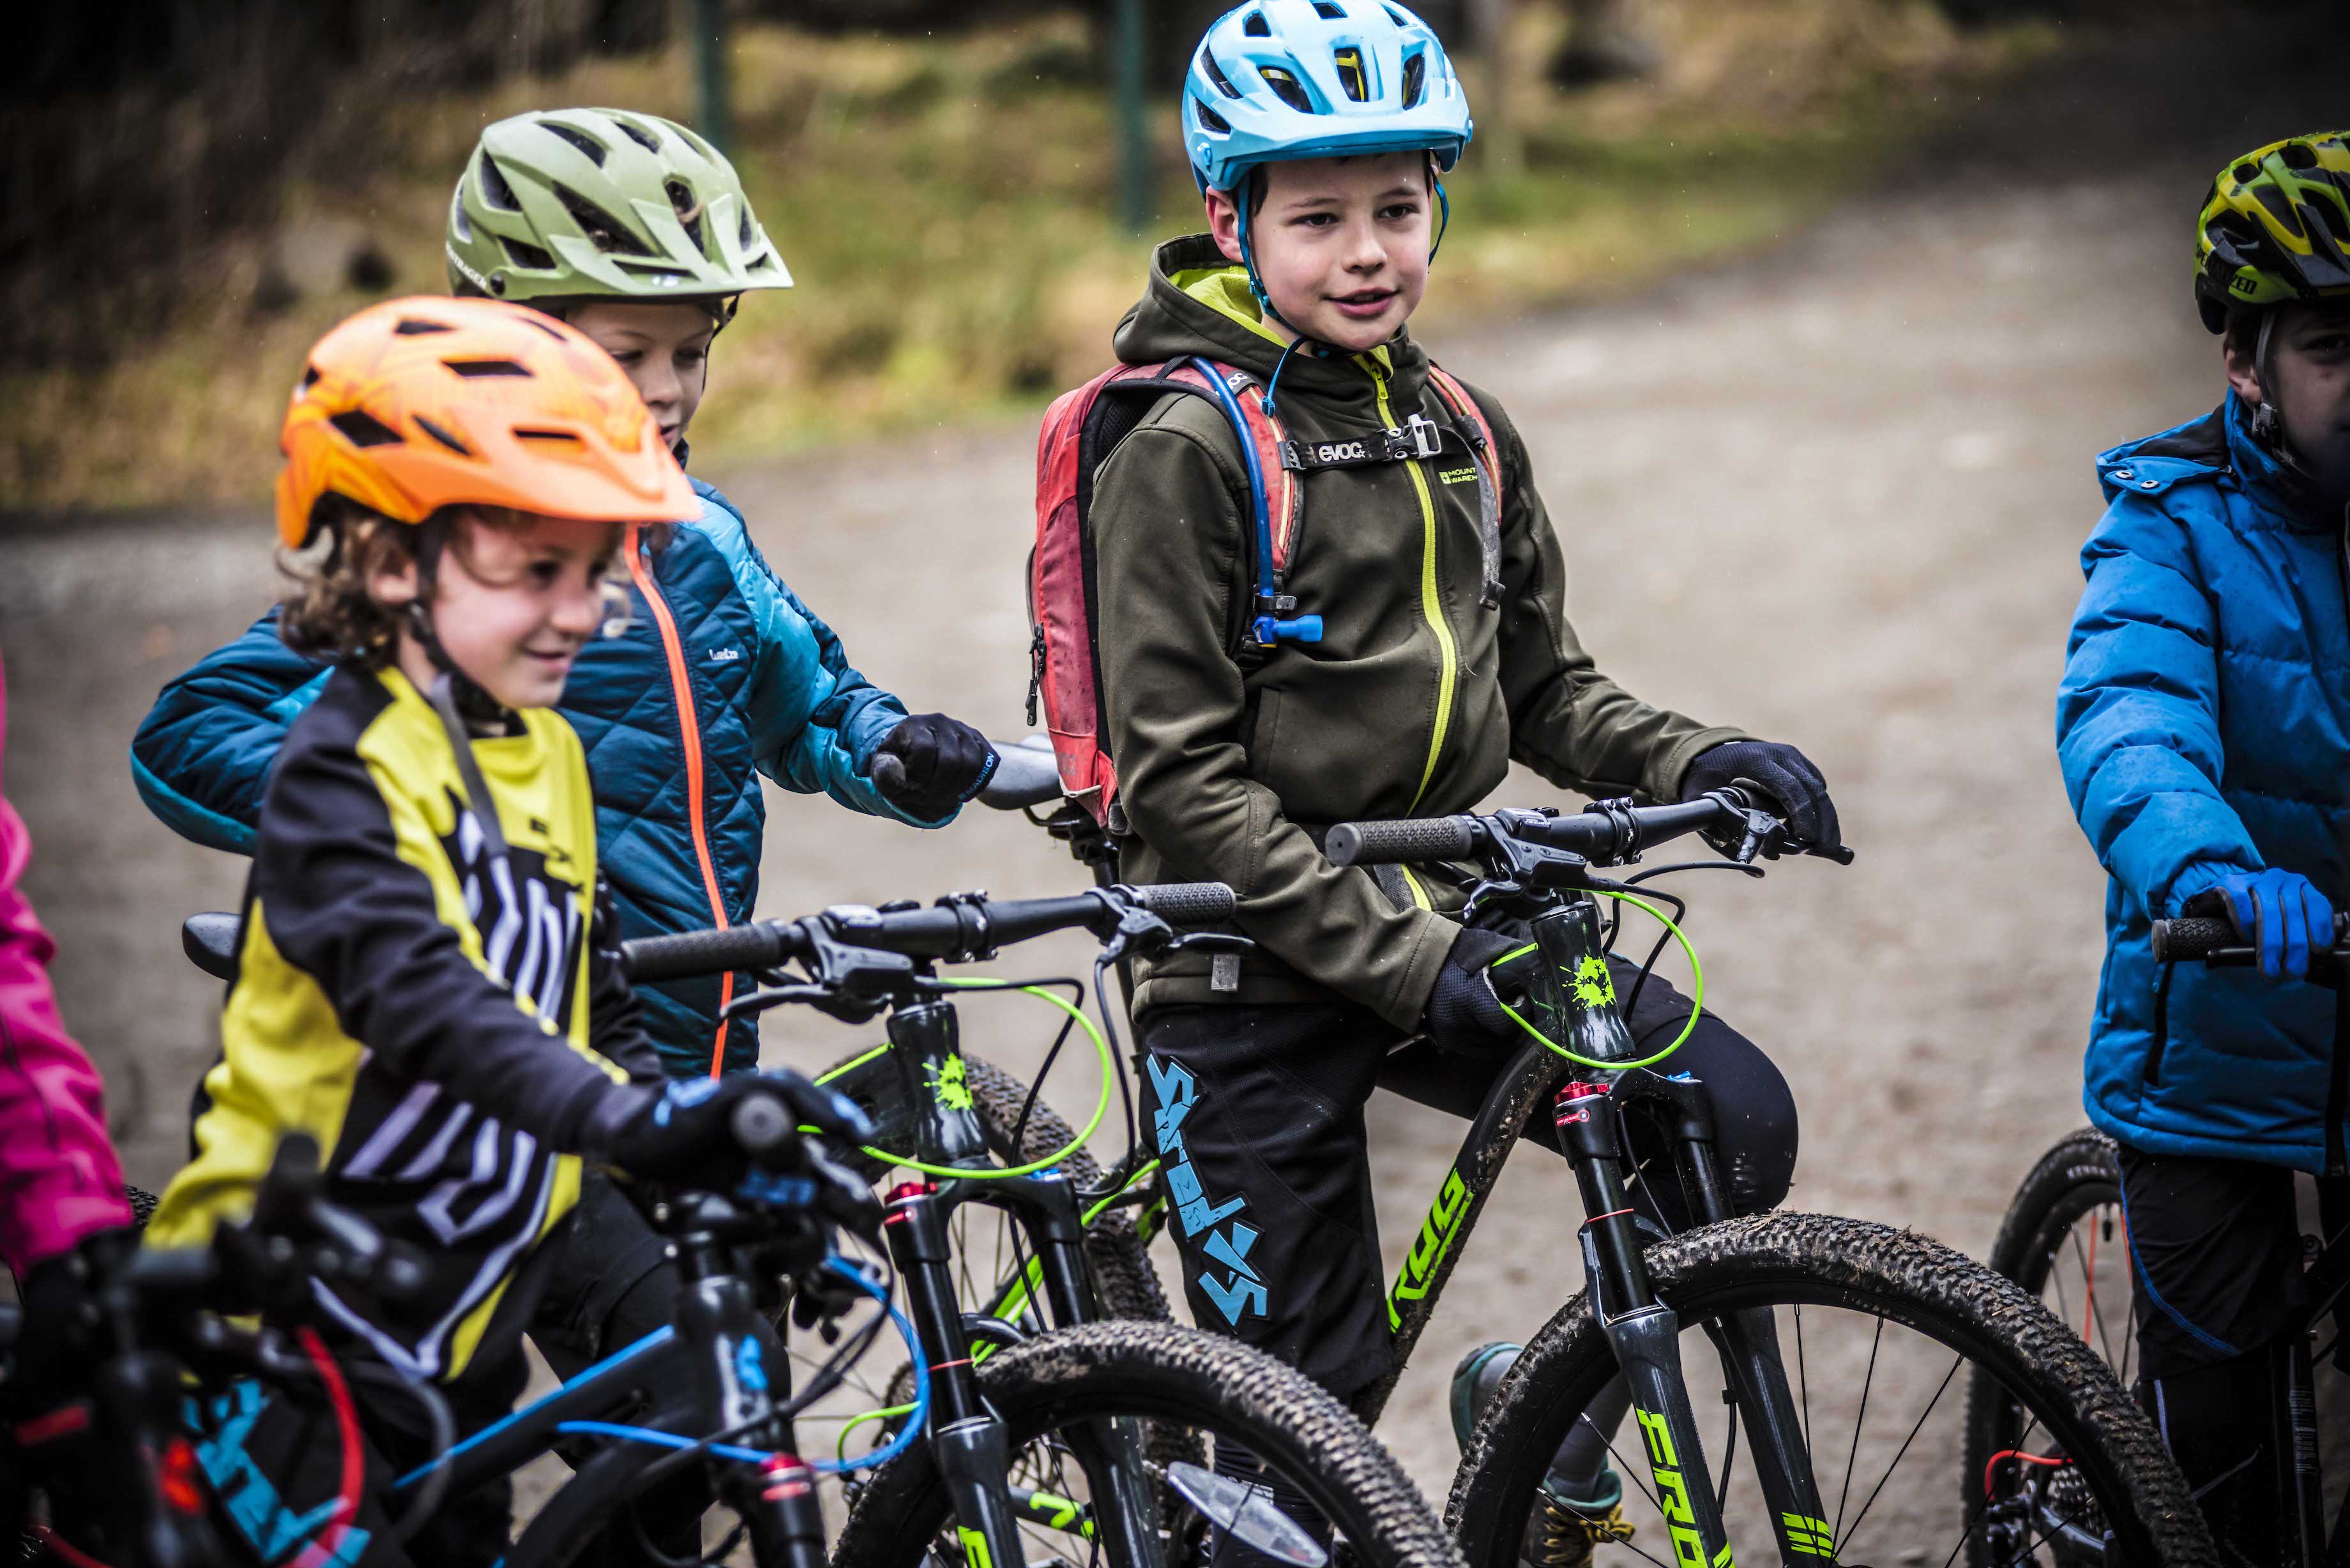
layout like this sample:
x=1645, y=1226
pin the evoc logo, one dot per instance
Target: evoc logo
x=1340, y=452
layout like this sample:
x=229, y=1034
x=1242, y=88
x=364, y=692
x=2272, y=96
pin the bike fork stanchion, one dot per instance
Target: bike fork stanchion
x=974, y=1453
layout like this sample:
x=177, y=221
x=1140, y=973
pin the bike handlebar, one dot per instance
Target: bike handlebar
x=1608, y=832
x=2215, y=942
x=957, y=929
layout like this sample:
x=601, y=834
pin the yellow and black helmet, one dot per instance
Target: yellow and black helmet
x=2276, y=228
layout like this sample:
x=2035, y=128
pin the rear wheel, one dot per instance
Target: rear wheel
x=1882, y=1333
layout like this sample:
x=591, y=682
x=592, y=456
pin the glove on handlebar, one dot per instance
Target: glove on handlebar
x=2279, y=912
x=1785, y=774
x=1463, y=1013
x=681, y=1132
x=930, y=763
x=52, y=1360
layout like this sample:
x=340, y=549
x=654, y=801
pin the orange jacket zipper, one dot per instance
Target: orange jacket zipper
x=690, y=730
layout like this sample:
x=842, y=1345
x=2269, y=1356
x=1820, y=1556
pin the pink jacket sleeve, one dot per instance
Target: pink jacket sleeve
x=59, y=1178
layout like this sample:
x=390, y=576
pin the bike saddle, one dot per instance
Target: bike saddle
x=1026, y=774
x=210, y=941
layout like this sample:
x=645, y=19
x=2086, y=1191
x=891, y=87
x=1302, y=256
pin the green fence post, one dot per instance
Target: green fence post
x=710, y=75
x=1133, y=119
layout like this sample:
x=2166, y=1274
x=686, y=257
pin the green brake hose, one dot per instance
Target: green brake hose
x=1697, y=1002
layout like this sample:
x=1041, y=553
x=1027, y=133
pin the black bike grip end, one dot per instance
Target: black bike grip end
x=1188, y=903
x=761, y=945
x=2192, y=937
x=1392, y=843
x=763, y=1125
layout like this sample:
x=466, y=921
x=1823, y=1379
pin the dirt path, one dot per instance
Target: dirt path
x=1834, y=495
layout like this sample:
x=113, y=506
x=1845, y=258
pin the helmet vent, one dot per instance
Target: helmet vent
x=461, y=222
x=582, y=141
x=1396, y=17
x=1209, y=119
x=2278, y=206
x=1216, y=75
x=443, y=437
x=1351, y=78
x=1284, y=88
x=363, y=429
x=472, y=369
x=603, y=230
x=689, y=211
x=495, y=189
x=2298, y=155
x=411, y=326
x=2246, y=172
x=1415, y=80
x=310, y=374
x=562, y=438
x=1329, y=11
x=1256, y=26
x=522, y=253
x=638, y=134
x=742, y=229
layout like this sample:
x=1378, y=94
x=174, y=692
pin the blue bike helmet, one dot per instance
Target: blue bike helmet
x=1281, y=80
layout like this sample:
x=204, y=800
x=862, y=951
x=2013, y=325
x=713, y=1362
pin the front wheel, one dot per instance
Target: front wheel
x=1880, y=1332
x=1209, y=1389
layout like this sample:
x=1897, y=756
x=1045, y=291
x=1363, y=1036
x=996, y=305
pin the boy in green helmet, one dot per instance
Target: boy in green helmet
x=1428, y=647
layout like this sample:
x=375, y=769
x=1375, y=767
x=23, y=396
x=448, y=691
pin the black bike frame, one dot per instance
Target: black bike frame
x=718, y=1367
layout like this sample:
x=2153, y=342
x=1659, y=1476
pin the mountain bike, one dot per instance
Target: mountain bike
x=108, y=1472
x=2065, y=1242
x=1052, y=1435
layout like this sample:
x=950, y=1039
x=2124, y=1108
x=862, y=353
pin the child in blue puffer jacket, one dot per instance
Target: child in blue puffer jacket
x=721, y=674
x=636, y=232
x=2204, y=726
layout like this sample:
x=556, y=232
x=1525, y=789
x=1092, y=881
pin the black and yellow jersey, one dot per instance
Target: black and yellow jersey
x=438, y=1017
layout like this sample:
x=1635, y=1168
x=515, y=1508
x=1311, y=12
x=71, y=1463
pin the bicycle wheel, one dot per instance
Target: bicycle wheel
x=1875, y=1327
x=1208, y=1387
x=2063, y=1243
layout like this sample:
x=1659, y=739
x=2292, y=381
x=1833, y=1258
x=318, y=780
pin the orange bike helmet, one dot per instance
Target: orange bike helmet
x=418, y=404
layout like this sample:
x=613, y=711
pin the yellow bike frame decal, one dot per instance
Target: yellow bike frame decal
x=1673, y=1497
x=1428, y=1248
x=1809, y=1535
x=974, y=1547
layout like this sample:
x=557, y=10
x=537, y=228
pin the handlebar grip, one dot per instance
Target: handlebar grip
x=2192, y=937
x=1391, y=843
x=761, y=945
x=763, y=1125
x=1188, y=903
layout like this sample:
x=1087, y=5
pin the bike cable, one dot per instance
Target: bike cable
x=1697, y=999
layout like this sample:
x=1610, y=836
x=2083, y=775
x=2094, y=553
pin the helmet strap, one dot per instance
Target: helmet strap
x=2268, y=426
x=1444, y=217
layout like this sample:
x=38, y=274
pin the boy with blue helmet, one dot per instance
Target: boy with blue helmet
x=2205, y=746
x=1428, y=647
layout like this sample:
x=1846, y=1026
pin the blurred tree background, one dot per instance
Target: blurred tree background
x=191, y=189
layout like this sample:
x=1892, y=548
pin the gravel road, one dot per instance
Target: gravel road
x=1834, y=495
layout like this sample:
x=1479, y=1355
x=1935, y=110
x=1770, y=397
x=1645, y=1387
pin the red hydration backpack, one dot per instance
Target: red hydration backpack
x=1083, y=426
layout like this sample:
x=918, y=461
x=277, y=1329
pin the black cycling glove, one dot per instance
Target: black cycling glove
x=1463, y=1013
x=1785, y=773
x=681, y=1132
x=930, y=763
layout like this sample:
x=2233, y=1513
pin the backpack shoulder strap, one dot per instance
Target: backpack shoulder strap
x=1276, y=498
x=1485, y=456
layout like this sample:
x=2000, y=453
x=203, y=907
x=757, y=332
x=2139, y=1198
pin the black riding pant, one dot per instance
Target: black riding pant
x=1256, y=1114
x=2215, y=1255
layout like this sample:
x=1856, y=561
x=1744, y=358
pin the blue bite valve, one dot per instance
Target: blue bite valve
x=1301, y=629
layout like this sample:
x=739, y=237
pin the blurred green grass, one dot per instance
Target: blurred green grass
x=944, y=206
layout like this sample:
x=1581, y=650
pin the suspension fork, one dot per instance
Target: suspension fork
x=740, y=1373
x=1748, y=1340
x=1644, y=1333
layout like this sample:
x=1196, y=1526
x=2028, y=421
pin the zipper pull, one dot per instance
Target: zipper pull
x=1036, y=671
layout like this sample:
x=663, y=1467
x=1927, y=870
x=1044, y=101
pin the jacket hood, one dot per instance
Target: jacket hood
x=2219, y=443
x=1197, y=302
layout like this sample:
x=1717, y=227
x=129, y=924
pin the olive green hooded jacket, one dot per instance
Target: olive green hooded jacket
x=1413, y=703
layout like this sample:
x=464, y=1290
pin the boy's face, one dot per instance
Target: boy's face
x=2310, y=349
x=1341, y=244
x=663, y=347
x=511, y=606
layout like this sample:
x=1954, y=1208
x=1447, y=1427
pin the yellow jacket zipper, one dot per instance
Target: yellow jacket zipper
x=1431, y=603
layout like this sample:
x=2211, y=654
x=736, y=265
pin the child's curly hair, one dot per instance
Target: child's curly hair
x=331, y=614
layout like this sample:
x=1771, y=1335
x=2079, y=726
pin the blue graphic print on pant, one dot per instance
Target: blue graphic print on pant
x=251, y=1498
x=1228, y=1245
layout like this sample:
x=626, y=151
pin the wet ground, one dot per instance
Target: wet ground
x=1834, y=495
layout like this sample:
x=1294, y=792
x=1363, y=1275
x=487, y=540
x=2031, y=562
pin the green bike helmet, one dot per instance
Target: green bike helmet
x=2275, y=228
x=572, y=203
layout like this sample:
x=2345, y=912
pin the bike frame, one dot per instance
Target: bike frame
x=718, y=1367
